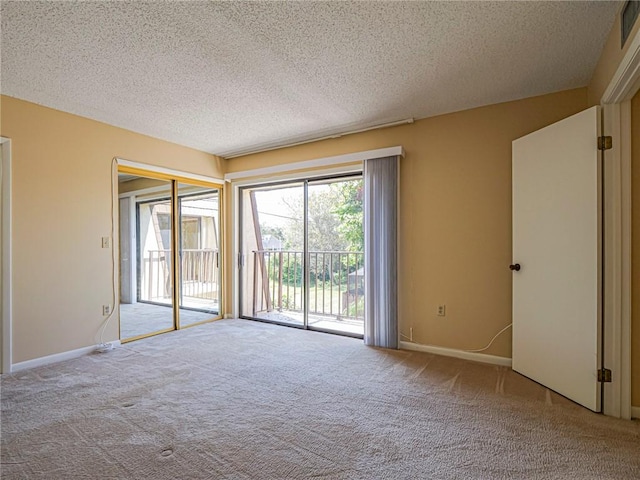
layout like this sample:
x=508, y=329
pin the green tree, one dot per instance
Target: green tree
x=274, y=231
x=291, y=268
x=324, y=223
x=335, y=218
x=349, y=211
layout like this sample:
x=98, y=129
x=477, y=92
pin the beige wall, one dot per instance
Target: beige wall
x=635, y=249
x=61, y=209
x=609, y=61
x=455, y=220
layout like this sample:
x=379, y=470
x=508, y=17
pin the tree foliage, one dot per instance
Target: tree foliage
x=349, y=211
x=335, y=219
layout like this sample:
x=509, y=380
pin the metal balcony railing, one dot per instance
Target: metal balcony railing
x=336, y=282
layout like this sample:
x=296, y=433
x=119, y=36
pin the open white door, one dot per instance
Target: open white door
x=557, y=243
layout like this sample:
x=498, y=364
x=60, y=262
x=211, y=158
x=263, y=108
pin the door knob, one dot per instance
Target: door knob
x=515, y=267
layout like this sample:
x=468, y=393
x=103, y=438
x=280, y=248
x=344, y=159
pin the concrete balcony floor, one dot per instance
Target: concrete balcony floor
x=352, y=326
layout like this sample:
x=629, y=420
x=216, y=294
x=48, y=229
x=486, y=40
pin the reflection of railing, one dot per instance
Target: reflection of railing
x=155, y=281
x=336, y=282
x=199, y=274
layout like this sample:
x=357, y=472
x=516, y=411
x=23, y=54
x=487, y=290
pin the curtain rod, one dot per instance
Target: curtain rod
x=328, y=137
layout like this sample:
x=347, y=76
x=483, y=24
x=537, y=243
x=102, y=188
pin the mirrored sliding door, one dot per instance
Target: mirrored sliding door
x=146, y=277
x=199, y=242
x=170, y=254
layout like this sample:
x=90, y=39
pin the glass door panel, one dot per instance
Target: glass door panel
x=146, y=305
x=272, y=275
x=336, y=255
x=303, y=254
x=199, y=254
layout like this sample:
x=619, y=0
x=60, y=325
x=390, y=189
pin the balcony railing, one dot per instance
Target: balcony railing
x=199, y=275
x=336, y=282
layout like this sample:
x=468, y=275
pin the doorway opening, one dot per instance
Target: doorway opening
x=5, y=255
x=170, y=275
x=302, y=254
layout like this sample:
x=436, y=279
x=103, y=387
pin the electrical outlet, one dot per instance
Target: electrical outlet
x=106, y=242
x=442, y=310
x=106, y=310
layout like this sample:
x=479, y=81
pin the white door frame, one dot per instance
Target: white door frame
x=616, y=102
x=5, y=249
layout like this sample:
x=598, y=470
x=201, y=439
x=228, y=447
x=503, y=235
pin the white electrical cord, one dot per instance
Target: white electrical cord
x=105, y=347
x=491, y=342
x=470, y=351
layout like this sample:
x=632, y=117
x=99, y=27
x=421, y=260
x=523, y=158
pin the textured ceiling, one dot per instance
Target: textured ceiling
x=227, y=77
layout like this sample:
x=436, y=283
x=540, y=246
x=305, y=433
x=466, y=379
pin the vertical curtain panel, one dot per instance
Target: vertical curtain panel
x=381, y=251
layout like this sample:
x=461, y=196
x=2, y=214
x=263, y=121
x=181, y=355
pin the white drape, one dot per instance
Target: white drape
x=381, y=247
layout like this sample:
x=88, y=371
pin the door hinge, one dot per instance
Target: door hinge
x=605, y=143
x=604, y=375
x=240, y=260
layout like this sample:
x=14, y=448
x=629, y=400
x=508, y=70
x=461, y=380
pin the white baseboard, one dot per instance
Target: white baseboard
x=635, y=412
x=452, y=352
x=57, y=357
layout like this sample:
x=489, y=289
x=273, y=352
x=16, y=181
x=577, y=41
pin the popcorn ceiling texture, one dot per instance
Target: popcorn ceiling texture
x=230, y=76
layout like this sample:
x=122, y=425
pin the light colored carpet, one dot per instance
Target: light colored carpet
x=236, y=399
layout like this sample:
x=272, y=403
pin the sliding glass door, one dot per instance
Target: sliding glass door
x=169, y=235
x=336, y=255
x=272, y=221
x=302, y=260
